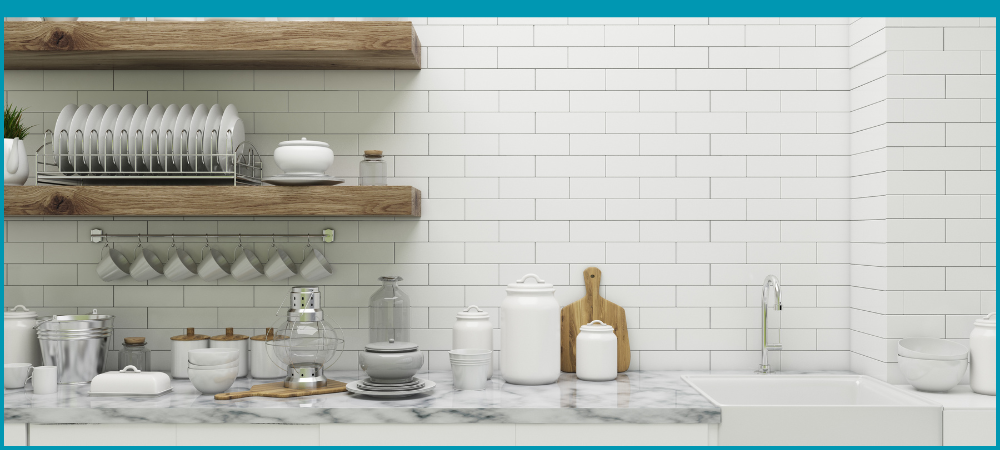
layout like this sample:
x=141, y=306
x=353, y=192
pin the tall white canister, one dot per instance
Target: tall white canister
x=473, y=331
x=20, y=340
x=529, y=333
x=983, y=343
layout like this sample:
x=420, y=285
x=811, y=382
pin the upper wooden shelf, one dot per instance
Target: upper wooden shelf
x=210, y=45
x=211, y=201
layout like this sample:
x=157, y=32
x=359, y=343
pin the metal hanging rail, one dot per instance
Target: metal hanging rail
x=97, y=235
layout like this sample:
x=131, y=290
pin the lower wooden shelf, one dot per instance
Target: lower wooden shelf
x=211, y=201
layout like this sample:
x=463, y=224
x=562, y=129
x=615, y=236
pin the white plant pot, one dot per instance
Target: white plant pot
x=15, y=162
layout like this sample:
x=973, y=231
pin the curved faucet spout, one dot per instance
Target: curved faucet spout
x=769, y=281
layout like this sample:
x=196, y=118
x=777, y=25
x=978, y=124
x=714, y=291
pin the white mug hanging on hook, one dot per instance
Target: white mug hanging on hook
x=246, y=265
x=145, y=265
x=181, y=265
x=114, y=266
x=314, y=264
x=280, y=265
x=215, y=266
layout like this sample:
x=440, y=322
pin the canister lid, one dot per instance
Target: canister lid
x=24, y=313
x=468, y=313
x=304, y=141
x=135, y=341
x=190, y=336
x=391, y=347
x=989, y=321
x=229, y=336
x=538, y=286
x=268, y=336
x=373, y=154
x=597, y=326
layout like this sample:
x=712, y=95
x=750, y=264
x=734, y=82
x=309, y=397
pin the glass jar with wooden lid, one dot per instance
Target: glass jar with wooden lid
x=135, y=353
x=232, y=340
x=179, y=347
x=263, y=363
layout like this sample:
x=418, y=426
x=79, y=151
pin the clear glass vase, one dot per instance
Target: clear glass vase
x=389, y=313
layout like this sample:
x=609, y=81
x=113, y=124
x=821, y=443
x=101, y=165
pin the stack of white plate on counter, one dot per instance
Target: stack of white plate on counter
x=159, y=140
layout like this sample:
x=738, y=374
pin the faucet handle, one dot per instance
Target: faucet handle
x=774, y=347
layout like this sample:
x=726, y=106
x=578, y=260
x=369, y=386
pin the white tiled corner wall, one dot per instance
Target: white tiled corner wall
x=686, y=158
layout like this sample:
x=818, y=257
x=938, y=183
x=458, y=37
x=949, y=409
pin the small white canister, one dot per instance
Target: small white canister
x=20, y=340
x=179, y=347
x=596, y=352
x=473, y=331
x=983, y=343
x=237, y=341
x=263, y=363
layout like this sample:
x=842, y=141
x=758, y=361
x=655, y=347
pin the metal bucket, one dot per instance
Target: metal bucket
x=76, y=344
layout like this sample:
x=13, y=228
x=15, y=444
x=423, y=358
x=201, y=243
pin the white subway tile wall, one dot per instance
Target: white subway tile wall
x=923, y=183
x=687, y=158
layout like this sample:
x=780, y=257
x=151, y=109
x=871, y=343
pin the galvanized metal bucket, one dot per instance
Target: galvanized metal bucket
x=76, y=344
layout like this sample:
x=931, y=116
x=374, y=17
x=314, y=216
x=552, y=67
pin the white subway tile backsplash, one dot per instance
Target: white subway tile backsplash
x=709, y=35
x=532, y=57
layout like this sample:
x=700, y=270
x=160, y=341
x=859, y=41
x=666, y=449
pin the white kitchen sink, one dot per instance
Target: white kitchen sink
x=818, y=410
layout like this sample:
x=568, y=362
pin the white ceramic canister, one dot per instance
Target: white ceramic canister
x=20, y=340
x=263, y=363
x=529, y=333
x=179, y=347
x=596, y=352
x=983, y=342
x=237, y=341
x=473, y=331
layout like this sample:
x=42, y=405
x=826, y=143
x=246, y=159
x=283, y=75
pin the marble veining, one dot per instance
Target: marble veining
x=635, y=397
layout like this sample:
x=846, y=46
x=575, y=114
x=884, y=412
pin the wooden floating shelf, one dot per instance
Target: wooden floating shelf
x=210, y=45
x=211, y=201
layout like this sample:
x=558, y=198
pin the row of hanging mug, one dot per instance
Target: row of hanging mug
x=146, y=265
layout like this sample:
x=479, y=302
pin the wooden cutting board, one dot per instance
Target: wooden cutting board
x=278, y=390
x=583, y=311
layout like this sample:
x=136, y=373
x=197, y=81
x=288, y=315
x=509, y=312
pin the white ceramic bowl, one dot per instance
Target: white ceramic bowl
x=391, y=367
x=931, y=348
x=303, y=156
x=213, y=356
x=214, y=381
x=219, y=366
x=468, y=354
x=933, y=375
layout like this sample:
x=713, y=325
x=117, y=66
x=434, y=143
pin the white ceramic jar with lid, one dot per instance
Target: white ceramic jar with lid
x=179, y=348
x=20, y=340
x=983, y=341
x=596, y=352
x=473, y=331
x=263, y=362
x=232, y=340
x=529, y=333
x=303, y=156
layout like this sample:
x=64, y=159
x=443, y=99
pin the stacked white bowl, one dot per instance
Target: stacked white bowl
x=470, y=368
x=932, y=365
x=213, y=370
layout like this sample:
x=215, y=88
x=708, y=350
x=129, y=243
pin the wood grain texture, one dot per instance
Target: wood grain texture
x=211, y=45
x=278, y=390
x=211, y=201
x=589, y=308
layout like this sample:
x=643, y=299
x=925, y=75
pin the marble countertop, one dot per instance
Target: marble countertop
x=959, y=397
x=635, y=397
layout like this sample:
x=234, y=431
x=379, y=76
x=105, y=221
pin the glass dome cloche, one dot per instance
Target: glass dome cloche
x=389, y=313
x=308, y=344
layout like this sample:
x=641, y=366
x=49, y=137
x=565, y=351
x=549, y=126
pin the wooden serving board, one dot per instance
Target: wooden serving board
x=583, y=311
x=278, y=390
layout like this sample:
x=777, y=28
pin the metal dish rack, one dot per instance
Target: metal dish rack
x=123, y=160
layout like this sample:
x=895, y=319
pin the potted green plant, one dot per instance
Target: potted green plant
x=15, y=159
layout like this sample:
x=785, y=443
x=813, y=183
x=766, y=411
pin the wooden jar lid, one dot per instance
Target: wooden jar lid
x=190, y=336
x=135, y=340
x=268, y=336
x=229, y=336
x=373, y=153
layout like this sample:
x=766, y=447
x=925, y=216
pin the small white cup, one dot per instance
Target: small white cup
x=213, y=267
x=246, y=265
x=113, y=266
x=145, y=265
x=181, y=266
x=315, y=266
x=279, y=267
x=43, y=380
x=15, y=375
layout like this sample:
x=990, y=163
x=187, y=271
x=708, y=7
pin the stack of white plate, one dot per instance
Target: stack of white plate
x=101, y=140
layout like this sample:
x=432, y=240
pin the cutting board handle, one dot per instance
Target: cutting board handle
x=592, y=280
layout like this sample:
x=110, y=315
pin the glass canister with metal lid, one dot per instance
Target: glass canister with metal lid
x=389, y=313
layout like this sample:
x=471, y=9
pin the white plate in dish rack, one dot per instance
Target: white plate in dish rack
x=352, y=387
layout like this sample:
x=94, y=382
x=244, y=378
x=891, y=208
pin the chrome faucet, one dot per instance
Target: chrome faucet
x=770, y=280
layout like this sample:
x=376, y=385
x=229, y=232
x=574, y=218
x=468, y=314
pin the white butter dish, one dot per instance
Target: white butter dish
x=130, y=382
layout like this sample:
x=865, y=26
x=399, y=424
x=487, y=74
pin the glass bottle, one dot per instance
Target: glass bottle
x=389, y=313
x=134, y=353
x=372, y=169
